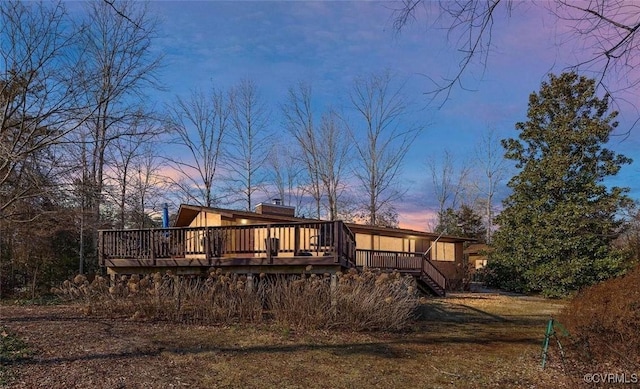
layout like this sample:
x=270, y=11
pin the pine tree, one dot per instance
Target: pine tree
x=464, y=222
x=557, y=225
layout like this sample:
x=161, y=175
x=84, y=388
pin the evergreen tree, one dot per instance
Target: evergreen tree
x=464, y=222
x=471, y=224
x=558, y=224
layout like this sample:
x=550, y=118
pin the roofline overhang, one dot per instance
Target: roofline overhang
x=376, y=230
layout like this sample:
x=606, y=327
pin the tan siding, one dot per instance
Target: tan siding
x=388, y=243
x=206, y=219
x=363, y=241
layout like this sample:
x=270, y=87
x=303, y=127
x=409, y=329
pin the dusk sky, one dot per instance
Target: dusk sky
x=328, y=44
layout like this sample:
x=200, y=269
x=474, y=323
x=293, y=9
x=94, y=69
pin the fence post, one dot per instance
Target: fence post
x=250, y=285
x=268, y=244
x=101, y=247
x=334, y=290
x=545, y=344
x=296, y=240
x=337, y=241
x=153, y=247
x=207, y=246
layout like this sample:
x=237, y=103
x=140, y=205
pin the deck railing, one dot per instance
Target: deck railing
x=329, y=239
x=430, y=270
x=388, y=260
x=407, y=262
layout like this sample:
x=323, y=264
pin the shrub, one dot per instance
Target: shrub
x=604, y=321
x=360, y=301
x=299, y=302
x=375, y=301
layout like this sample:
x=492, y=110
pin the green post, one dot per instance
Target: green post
x=545, y=344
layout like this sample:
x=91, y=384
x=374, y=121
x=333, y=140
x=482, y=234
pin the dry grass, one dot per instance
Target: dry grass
x=463, y=341
x=369, y=301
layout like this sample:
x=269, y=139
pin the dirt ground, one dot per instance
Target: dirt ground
x=468, y=340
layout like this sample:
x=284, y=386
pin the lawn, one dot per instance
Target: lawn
x=471, y=340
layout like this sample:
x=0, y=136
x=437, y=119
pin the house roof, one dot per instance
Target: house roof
x=187, y=213
x=477, y=249
x=403, y=232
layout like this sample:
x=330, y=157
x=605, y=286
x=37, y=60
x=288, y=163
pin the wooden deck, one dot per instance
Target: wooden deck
x=266, y=247
x=282, y=248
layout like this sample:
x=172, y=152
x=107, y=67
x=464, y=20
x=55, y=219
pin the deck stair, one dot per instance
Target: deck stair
x=429, y=279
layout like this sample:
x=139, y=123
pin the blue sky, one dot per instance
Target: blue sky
x=330, y=43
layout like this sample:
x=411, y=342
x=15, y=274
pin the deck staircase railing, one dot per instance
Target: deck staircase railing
x=433, y=277
x=416, y=264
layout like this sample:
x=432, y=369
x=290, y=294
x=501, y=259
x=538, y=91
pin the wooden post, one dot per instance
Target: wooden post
x=250, y=285
x=296, y=240
x=334, y=289
x=268, y=244
x=207, y=246
x=101, y=248
x=340, y=245
x=336, y=256
x=153, y=246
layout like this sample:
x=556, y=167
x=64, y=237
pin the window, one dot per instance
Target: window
x=443, y=251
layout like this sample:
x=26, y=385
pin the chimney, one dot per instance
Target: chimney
x=275, y=208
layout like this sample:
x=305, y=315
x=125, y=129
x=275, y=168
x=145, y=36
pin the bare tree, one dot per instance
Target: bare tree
x=149, y=186
x=449, y=183
x=604, y=34
x=39, y=104
x=249, y=142
x=124, y=167
x=489, y=159
x=333, y=160
x=286, y=174
x=120, y=67
x=299, y=121
x=200, y=125
x=446, y=183
x=112, y=4
x=381, y=141
x=324, y=149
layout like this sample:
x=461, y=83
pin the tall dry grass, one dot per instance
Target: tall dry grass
x=375, y=301
x=299, y=302
x=358, y=301
x=219, y=298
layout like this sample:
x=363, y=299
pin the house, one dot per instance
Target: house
x=273, y=240
x=477, y=257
